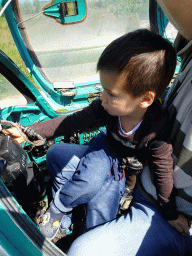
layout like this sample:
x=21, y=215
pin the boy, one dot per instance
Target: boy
x=134, y=71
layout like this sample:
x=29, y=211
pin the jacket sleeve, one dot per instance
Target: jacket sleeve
x=92, y=115
x=161, y=163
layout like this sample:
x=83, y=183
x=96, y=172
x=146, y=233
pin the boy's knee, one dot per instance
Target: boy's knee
x=52, y=151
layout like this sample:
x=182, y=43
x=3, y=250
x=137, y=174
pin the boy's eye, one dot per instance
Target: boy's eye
x=111, y=94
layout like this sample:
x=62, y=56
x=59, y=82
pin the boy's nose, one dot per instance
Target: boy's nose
x=103, y=97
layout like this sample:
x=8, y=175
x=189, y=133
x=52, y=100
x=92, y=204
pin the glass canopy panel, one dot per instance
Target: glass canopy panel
x=9, y=95
x=70, y=52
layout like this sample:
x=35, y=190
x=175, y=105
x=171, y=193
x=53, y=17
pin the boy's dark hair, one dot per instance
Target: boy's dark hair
x=148, y=59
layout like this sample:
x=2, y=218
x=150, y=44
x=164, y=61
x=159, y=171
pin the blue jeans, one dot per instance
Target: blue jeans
x=142, y=232
x=86, y=175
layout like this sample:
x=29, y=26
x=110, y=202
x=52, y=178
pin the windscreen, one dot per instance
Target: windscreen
x=70, y=52
x=9, y=95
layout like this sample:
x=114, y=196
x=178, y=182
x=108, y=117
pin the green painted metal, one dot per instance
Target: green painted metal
x=27, y=115
x=35, y=90
x=162, y=21
x=18, y=234
x=58, y=10
x=84, y=138
x=13, y=240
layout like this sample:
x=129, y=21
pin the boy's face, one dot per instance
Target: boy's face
x=115, y=99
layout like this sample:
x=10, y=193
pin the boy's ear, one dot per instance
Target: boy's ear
x=147, y=99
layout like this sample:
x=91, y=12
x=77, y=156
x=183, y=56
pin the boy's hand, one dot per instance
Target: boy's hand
x=14, y=133
x=181, y=225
